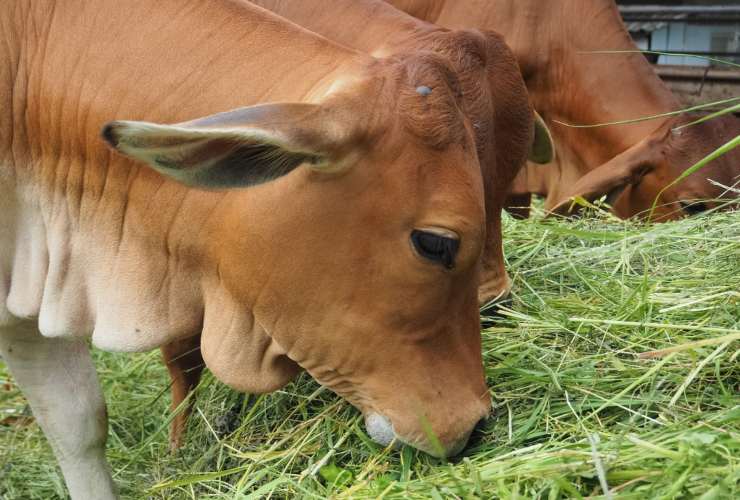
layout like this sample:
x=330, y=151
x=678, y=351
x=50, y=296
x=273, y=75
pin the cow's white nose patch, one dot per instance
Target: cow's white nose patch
x=379, y=428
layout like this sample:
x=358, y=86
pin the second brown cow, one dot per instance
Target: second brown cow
x=555, y=43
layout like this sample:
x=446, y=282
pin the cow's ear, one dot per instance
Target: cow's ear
x=543, y=149
x=238, y=148
x=611, y=178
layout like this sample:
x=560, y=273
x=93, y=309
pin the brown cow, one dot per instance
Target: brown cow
x=481, y=60
x=551, y=40
x=630, y=180
x=334, y=224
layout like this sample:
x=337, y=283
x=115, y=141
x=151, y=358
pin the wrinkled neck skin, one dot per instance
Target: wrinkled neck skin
x=92, y=244
x=549, y=39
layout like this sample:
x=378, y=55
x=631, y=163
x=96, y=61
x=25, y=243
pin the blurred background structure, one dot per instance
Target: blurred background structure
x=709, y=28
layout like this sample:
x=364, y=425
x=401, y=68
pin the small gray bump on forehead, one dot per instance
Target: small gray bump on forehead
x=423, y=90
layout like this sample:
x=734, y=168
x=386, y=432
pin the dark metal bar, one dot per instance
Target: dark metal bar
x=679, y=9
x=696, y=73
x=696, y=19
x=701, y=53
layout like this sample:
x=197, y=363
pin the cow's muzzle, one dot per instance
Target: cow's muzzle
x=381, y=430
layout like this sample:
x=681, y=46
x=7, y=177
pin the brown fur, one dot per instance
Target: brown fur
x=312, y=270
x=434, y=118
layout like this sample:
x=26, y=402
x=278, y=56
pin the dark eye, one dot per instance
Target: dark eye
x=693, y=208
x=435, y=247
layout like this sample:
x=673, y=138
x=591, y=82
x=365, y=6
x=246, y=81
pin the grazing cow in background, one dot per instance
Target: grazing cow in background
x=551, y=41
x=664, y=155
x=334, y=224
x=487, y=87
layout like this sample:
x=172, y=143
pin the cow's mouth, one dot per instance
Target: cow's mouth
x=381, y=430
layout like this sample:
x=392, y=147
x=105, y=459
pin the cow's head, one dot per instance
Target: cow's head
x=356, y=256
x=634, y=179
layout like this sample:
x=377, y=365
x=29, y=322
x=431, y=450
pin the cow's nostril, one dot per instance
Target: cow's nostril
x=481, y=425
x=479, y=433
x=458, y=447
x=693, y=208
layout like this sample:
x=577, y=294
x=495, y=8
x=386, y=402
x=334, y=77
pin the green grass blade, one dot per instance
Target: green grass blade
x=711, y=116
x=661, y=53
x=698, y=107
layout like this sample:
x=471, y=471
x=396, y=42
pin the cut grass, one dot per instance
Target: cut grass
x=615, y=366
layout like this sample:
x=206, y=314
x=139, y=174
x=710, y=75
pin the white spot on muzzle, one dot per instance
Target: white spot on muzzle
x=380, y=429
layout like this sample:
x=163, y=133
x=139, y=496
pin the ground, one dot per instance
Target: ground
x=614, y=368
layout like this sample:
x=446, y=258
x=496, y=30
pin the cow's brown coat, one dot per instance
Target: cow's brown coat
x=312, y=270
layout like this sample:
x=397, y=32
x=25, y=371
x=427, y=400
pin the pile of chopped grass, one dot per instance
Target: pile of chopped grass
x=613, y=369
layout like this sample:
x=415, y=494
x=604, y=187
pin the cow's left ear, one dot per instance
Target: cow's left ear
x=238, y=148
x=543, y=149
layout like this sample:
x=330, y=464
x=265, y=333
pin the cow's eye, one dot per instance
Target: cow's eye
x=436, y=247
x=693, y=208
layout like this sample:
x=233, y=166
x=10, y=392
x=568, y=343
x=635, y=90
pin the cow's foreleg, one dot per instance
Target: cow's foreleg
x=495, y=283
x=59, y=380
x=185, y=365
x=519, y=205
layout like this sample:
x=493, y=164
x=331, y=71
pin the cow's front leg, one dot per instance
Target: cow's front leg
x=519, y=205
x=185, y=366
x=59, y=380
x=495, y=284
